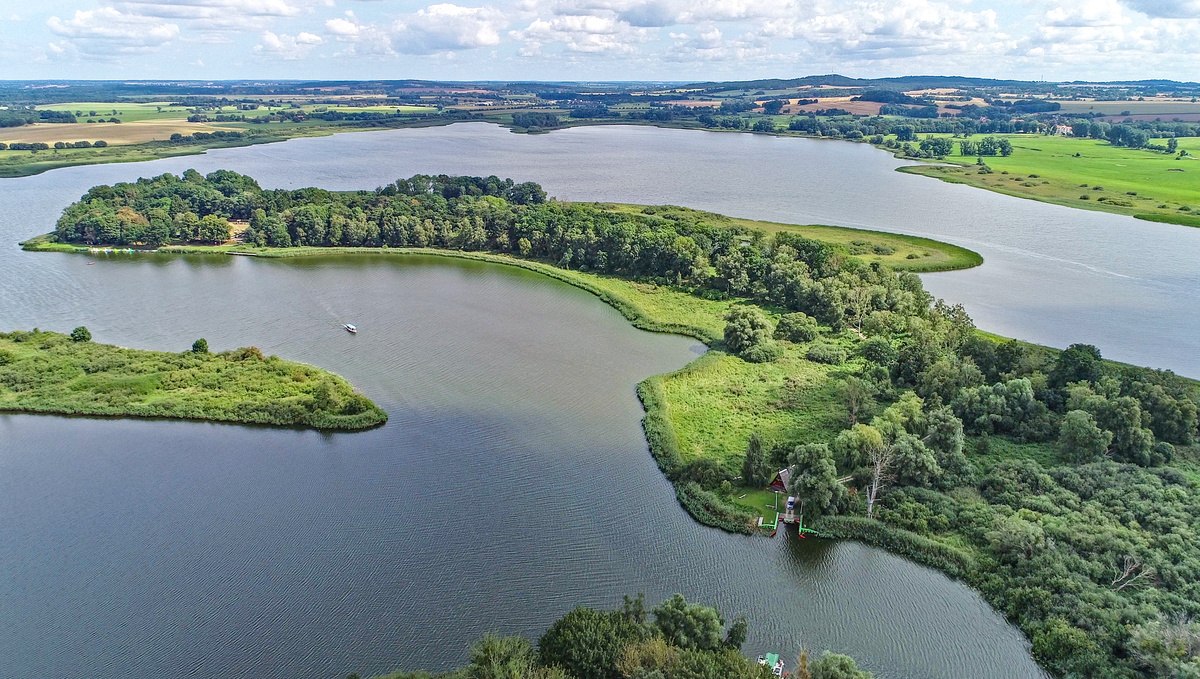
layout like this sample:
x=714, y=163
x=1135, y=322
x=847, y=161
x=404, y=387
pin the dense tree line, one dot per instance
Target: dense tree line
x=1065, y=485
x=530, y=120
x=675, y=640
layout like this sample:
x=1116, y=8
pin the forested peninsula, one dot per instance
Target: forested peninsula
x=47, y=372
x=1064, y=487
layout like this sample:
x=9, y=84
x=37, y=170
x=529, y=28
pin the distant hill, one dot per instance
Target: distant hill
x=915, y=82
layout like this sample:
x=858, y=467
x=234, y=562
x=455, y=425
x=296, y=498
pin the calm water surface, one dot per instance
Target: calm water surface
x=511, y=483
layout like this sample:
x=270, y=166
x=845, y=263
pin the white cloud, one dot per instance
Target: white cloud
x=287, y=47
x=359, y=39
x=1092, y=14
x=448, y=27
x=106, y=32
x=1169, y=9
x=202, y=9
x=436, y=29
x=602, y=33
x=904, y=28
x=343, y=27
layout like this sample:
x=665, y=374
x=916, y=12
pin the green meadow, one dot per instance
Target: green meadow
x=1087, y=173
x=47, y=372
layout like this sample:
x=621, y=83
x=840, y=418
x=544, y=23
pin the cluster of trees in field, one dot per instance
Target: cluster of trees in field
x=1099, y=129
x=69, y=374
x=1135, y=135
x=27, y=115
x=675, y=640
x=536, y=120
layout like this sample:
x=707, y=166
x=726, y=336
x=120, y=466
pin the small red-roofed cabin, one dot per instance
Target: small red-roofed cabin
x=779, y=484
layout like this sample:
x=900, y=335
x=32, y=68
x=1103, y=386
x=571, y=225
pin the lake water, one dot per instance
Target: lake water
x=512, y=481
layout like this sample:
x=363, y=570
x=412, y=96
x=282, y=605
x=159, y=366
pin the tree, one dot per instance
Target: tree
x=1080, y=439
x=81, y=334
x=653, y=657
x=200, y=346
x=942, y=381
x=1013, y=539
x=736, y=636
x=587, y=643
x=912, y=462
x=748, y=334
x=814, y=480
x=880, y=459
x=944, y=436
x=878, y=350
x=854, y=446
x=796, y=327
x=495, y=657
x=686, y=625
x=859, y=397
x=212, y=229
x=1076, y=363
x=756, y=468
x=836, y=666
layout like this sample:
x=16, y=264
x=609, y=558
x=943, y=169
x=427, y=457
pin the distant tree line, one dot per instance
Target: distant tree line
x=43, y=146
x=179, y=138
x=27, y=115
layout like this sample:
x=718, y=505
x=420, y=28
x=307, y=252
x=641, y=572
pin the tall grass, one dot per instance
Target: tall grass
x=46, y=372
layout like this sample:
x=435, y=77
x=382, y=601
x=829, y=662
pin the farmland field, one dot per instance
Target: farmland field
x=113, y=133
x=1112, y=108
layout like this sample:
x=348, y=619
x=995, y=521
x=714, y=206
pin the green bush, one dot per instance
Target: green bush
x=709, y=509
x=797, y=327
x=831, y=354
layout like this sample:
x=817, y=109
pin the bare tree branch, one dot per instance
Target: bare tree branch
x=881, y=475
x=1130, y=572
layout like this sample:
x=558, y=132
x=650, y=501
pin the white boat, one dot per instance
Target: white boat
x=350, y=328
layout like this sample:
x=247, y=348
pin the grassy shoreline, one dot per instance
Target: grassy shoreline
x=959, y=175
x=49, y=373
x=1086, y=174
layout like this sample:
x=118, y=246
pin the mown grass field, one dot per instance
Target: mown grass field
x=1088, y=173
x=46, y=372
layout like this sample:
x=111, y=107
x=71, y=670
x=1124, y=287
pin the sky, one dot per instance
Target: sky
x=680, y=40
